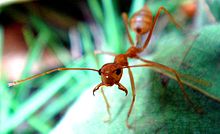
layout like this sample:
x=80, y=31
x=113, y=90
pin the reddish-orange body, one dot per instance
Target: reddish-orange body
x=111, y=73
x=141, y=21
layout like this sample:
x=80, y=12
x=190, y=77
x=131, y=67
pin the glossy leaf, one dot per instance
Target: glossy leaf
x=159, y=108
x=197, y=59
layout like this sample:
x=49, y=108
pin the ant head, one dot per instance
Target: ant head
x=111, y=73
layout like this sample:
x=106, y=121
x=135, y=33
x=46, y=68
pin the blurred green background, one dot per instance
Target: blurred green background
x=36, y=36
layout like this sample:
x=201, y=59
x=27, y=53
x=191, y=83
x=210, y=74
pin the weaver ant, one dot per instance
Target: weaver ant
x=141, y=22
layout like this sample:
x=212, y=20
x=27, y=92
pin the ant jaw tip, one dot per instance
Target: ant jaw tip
x=126, y=93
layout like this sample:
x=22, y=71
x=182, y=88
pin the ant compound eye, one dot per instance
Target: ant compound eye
x=118, y=71
x=99, y=71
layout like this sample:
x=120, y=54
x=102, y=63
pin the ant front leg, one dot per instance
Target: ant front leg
x=107, y=105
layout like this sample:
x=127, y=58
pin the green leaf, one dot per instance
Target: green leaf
x=159, y=108
x=166, y=107
x=96, y=10
x=198, y=60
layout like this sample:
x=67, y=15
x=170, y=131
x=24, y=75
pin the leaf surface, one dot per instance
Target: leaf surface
x=160, y=106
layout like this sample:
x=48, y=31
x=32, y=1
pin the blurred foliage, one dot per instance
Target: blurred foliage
x=72, y=30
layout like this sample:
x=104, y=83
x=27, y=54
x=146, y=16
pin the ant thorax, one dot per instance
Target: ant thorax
x=121, y=59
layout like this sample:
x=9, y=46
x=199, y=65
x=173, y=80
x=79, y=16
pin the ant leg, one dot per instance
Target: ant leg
x=102, y=91
x=169, y=15
x=133, y=96
x=125, y=19
x=48, y=72
x=104, y=52
x=154, y=23
x=151, y=63
x=107, y=106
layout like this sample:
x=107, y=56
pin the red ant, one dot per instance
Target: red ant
x=111, y=73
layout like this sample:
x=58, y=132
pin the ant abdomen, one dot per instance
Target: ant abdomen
x=141, y=21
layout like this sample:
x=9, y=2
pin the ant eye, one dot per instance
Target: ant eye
x=118, y=71
x=99, y=71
